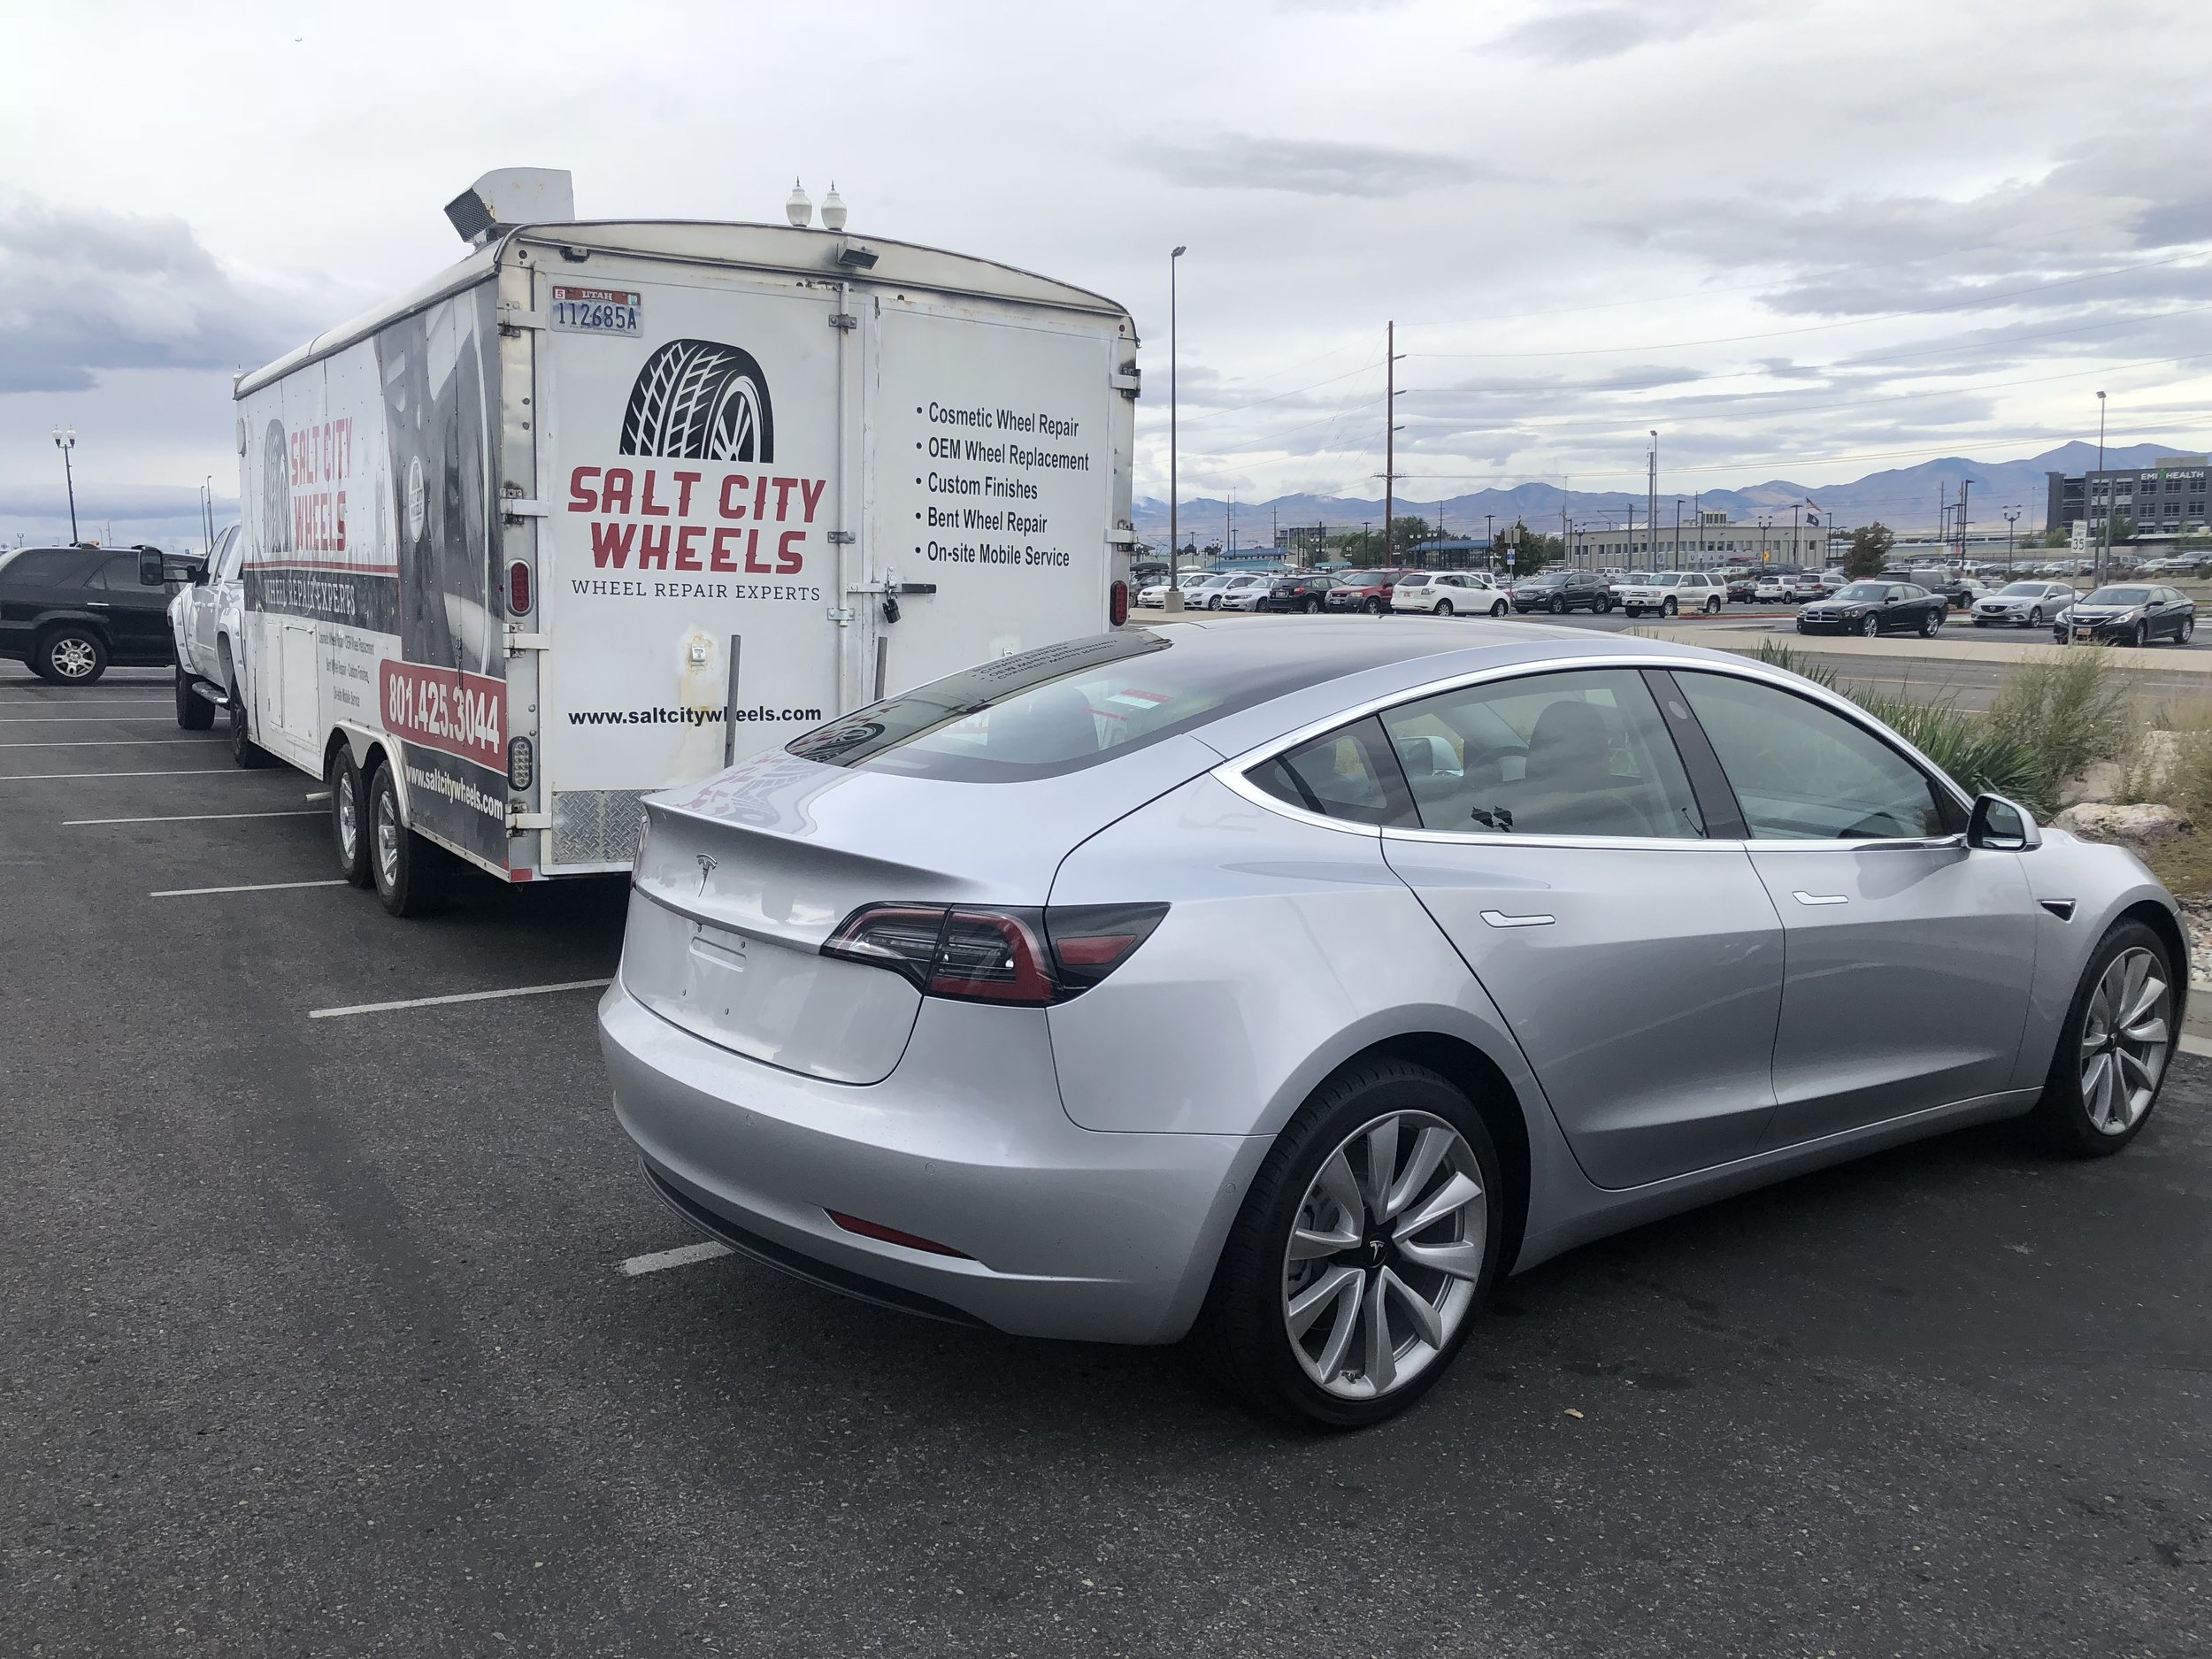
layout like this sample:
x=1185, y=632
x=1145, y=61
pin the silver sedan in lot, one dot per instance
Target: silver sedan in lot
x=1282, y=985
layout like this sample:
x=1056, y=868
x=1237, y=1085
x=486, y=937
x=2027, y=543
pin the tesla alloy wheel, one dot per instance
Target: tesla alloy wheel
x=2113, y=1050
x=1366, y=1244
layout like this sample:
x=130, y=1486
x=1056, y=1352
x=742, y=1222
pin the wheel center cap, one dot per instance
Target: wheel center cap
x=1372, y=1251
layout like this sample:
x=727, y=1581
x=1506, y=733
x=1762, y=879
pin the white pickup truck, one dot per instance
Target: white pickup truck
x=206, y=620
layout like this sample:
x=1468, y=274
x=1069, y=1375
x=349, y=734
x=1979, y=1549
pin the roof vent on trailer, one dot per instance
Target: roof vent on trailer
x=508, y=197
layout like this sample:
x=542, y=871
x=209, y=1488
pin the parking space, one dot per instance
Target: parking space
x=335, y=1318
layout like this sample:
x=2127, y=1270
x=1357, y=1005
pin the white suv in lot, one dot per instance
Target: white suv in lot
x=1449, y=593
x=1669, y=593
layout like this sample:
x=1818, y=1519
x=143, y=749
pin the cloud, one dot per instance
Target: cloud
x=84, y=291
x=1304, y=166
x=1588, y=34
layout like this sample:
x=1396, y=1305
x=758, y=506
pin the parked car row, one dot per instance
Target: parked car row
x=69, y=612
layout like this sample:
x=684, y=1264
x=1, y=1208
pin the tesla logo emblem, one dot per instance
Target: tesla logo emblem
x=707, y=865
x=1374, y=1252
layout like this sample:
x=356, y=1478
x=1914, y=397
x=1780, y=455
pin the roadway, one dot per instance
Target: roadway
x=316, y=1337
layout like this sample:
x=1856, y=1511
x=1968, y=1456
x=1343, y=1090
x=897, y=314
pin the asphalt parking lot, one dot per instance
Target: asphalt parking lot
x=315, y=1339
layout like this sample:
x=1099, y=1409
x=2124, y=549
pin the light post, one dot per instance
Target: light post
x=1173, y=599
x=2104, y=540
x=67, y=440
x=2012, y=516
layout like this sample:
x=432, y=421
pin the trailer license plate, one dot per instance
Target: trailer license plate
x=596, y=311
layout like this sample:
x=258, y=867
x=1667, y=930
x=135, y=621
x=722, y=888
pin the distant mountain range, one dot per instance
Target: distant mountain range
x=1904, y=498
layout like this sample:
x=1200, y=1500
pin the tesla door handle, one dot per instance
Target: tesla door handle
x=1803, y=897
x=1499, y=918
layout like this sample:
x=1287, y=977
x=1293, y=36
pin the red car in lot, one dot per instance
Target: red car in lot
x=1363, y=590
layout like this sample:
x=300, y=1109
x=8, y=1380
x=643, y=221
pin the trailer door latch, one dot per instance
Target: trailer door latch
x=518, y=641
x=515, y=508
x=843, y=320
x=513, y=319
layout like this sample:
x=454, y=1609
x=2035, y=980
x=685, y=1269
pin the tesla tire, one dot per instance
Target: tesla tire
x=350, y=819
x=408, y=871
x=194, y=713
x=71, y=654
x=1366, y=1246
x=2113, y=1049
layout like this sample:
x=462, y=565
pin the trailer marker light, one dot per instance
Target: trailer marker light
x=1117, y=603
x=522, y=763
x=518, y=589
x=892, y=1235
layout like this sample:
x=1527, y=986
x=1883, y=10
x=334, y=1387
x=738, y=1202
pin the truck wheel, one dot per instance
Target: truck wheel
x=194, y=713
x=243, y=750
x=71, y=654
x=349, y=819
x=700, y=400
x=408, y=871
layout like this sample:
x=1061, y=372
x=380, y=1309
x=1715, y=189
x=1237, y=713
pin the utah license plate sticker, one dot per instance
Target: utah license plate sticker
x=596, y=311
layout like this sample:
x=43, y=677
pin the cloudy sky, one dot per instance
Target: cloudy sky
x=1811, y=239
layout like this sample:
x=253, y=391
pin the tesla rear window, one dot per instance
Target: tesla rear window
x=1057, y=710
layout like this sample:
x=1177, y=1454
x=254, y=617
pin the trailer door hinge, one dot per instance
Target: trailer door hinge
x=513, y=318
x=840, y=614
x=842, y=538
x=515, y=508
x=517, y=640
x=1128, y=385
x=843, y=320
x=522, y=823
x=1121, y=538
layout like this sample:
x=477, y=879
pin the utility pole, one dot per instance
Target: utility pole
x=66, y=441
x=1651, y=515
x=1677, y=533
x=1566, y=537
x=1173, y=601
x=1390, y=432
x=2104, y=543
x=1966, y=486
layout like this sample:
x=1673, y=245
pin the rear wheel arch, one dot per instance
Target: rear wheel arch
x=1476, y=1076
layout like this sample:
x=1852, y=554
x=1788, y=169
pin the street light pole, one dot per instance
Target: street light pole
x=67, y=440
x=2104, y=540
x=1173, y=598
x=2011, y=515
x=1651, y=512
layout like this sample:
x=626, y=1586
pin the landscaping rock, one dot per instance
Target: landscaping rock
x=2133, y=827
x=2101, y=782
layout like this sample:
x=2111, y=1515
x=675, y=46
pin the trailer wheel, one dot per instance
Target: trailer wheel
x=350, y=819
x=409, y=872
x=699, y=400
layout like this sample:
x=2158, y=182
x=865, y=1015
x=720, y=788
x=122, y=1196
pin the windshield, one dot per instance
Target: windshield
x=1358, y=578
x=2026, y=590
x=2119, y=596
x=1058, y=708
x=1873, y=592
x=1549, y=578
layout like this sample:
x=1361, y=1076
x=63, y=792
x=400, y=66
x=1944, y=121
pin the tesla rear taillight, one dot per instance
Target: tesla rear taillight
x=518, y=590
x=1028, y=957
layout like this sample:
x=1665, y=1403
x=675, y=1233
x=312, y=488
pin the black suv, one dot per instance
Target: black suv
x=70, y=611
x=1560, y=591
x=1301, y=590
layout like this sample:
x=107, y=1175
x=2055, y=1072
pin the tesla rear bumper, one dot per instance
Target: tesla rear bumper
x=1065, y=1232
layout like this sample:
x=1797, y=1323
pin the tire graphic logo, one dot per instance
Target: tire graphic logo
x=276, y=490
x=699, y=400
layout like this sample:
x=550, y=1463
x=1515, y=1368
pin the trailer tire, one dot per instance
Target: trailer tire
x=350, y=819
x=700, y=400
x=408, y=871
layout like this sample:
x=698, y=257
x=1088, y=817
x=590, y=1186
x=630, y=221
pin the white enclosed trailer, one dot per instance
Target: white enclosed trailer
x=609, y=505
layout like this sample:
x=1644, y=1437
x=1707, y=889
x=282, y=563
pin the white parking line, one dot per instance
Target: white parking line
x=188, y=818
x=116, y=742
x=461, y=996
x=83, y=719
x=683, y=1256
x=82, y=702
x=258, y=886
x=57, y=777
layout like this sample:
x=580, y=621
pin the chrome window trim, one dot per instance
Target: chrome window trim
x=1230, y=772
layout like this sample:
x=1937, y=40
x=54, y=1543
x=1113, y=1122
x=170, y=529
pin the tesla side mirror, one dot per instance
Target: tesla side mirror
x=2002, y=825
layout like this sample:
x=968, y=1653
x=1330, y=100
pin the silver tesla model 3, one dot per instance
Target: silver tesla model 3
x=1282, y=985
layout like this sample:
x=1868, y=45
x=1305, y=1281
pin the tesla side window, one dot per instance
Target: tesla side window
x=1347, y=773
x=1802, y=772
x=1567, y=754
